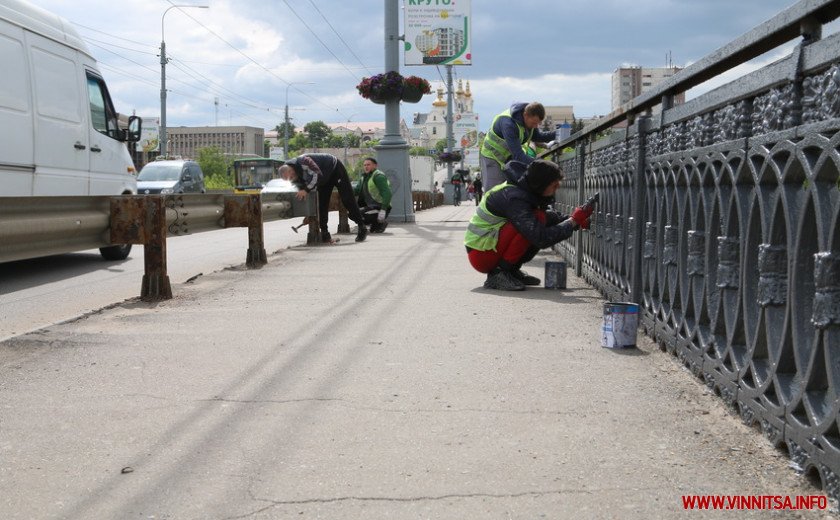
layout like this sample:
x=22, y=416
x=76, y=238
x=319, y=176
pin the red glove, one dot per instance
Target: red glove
x=581, y=216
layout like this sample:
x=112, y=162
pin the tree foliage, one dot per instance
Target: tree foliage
x=281, y=129
x=319, y=133
x=216, y=168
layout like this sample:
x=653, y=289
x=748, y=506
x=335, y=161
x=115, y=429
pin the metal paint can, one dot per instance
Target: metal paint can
x=555, y=275
x=621, y=320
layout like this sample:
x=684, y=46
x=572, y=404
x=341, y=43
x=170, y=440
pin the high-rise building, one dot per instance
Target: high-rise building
x=631, y=82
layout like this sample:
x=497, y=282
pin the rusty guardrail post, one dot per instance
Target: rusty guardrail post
x=246, y=211
x=313, y=238
x=141, y=219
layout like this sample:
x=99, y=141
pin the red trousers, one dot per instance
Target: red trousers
x=511, y=248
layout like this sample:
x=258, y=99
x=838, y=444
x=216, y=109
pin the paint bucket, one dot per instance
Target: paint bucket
x=555, y=275
x=621, y=319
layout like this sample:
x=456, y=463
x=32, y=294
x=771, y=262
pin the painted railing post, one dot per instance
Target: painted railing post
x=639, y=210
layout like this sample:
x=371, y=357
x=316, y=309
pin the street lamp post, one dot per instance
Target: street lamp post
x=346, y=138
x=163, y=62
x=286, y=119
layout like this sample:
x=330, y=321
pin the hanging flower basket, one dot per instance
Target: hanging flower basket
x=380, y=88
x=414, y=87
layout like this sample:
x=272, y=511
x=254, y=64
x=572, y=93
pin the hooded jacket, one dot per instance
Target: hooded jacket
x=516, y=203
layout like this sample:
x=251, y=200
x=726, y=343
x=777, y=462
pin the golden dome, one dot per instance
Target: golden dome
x=468, y=93
x=439, y=102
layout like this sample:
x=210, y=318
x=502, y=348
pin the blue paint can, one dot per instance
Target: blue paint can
x=555, y=275
x=621, y=320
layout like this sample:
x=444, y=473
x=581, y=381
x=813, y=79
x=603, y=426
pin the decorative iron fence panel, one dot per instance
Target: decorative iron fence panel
x=721, y=217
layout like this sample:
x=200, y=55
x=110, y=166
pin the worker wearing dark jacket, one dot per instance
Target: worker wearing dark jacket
x=511, y=225
x=511, y=132
x=324, y=172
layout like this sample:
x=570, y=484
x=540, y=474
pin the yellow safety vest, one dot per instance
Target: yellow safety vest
x=494, y=146
x=483, y=229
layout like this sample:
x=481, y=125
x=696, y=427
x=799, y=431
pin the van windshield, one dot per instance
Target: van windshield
x=160, y=172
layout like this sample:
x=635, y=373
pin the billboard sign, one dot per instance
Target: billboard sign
x=437, y=32
x=149, y=135
x=465, y=130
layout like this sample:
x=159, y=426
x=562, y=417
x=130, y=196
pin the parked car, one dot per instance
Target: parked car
x=171, y=176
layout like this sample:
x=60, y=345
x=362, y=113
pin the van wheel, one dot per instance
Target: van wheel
x=115, y=252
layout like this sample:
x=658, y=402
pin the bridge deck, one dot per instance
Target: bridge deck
x=374, y=380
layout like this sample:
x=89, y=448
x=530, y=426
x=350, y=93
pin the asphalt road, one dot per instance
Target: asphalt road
x=43, y=291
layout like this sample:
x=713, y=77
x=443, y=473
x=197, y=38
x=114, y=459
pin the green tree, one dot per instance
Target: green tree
x=440, y=145
x=299, y=142
x=319, y=133
x=352, y=140
x=216, y=168
x=281, y=128
x=336, y=141
x=418, y=150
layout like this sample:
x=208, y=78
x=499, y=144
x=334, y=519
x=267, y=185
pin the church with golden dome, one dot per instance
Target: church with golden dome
x=429, y=128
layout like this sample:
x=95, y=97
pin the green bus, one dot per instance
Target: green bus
x=250, y=175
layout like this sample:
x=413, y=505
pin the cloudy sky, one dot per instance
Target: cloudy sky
x=245, y=52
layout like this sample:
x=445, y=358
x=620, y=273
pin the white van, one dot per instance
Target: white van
x=59, y=127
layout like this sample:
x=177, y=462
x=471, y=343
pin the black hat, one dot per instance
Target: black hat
x=540, y=174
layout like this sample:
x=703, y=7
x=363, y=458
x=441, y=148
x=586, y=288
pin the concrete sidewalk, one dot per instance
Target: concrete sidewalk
x=372, y=380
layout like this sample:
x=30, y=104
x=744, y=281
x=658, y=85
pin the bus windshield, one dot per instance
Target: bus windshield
x=253, y=173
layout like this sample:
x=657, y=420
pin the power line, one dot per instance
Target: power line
x=89, y=39
x=319, y=39
x=193, y=73
x=120, y=38
x=339, y=37
x=252, y=60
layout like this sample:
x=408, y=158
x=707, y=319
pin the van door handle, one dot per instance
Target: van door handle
x=95, y=148
x=79, y=146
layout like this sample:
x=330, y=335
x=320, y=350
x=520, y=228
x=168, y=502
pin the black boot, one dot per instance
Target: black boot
x=361, y=235
x=524, y=277
x=326, y=238
x=502, y=280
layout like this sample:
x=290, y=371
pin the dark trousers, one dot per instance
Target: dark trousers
x=338, y=179
x=371, y=214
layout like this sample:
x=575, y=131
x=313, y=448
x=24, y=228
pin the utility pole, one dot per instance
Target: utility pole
x=450, y=134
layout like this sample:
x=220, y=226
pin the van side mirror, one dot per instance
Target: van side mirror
x=132, y=134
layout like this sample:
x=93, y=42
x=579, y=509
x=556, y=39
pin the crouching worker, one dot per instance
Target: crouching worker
x=374, y=192
x=324, y=172
x=511, y=225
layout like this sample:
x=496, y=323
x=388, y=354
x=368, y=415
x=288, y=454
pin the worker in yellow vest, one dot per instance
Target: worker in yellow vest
x=514, y=221
x=510, y=133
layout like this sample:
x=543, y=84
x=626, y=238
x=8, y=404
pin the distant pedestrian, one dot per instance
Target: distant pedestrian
x=324, y=172
x=456, y=181
x=479, y=188
x=509, y=133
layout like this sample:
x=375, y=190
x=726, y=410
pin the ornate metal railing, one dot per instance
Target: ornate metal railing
x=722, y=218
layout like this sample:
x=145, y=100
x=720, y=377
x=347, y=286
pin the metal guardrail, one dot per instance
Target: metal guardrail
x=39, y=226
x=722, y=218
